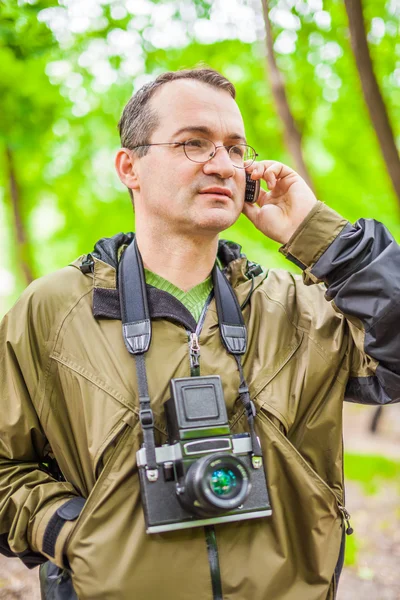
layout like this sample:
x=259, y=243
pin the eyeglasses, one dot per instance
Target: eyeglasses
x=200, y=150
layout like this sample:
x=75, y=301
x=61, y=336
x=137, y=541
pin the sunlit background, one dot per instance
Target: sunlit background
x=66, y=71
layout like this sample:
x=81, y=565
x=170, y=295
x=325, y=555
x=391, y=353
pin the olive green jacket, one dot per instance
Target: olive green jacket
x=68, y=386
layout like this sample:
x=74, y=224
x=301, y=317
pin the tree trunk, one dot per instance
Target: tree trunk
x=20, y=233
x=372, y=94
x=292, y=135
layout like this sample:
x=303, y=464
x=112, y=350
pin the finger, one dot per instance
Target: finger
x=279, y=169
x=266, y=198
x=258, y=172
x=268, y=176
x=261, y=168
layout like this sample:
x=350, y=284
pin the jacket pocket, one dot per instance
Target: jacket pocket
x=259, y=377
x=109, y=446
x=272, y=393
x=324, y=488
x=106, y=459
x=306, y=520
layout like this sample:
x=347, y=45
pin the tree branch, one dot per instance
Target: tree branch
x=291, y=133
x=372, y=94
x=20, y=233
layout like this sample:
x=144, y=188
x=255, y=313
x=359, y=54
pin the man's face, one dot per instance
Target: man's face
x=170, y=186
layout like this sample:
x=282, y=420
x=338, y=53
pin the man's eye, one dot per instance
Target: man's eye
x=196, y=143
x=237, y=150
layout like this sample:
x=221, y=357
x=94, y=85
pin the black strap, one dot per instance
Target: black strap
x=146, y=418
x=244, y=396
x=135, y=316
x=231, y=325
x=234, y=337
x=136, y=328
x=52, y=530
x=67, y=512
x=213, y=559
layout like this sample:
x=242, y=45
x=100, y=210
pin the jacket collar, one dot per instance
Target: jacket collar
x=103, y=263
x=108, y=249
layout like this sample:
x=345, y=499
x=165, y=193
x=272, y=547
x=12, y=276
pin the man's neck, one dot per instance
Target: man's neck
x=184, y=261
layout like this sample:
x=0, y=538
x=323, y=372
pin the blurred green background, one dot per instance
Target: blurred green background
x=68, y=68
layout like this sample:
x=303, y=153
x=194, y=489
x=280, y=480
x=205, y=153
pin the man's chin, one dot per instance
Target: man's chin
x=217, y=219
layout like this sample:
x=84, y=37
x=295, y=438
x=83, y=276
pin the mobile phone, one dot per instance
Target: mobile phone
x=252, y=189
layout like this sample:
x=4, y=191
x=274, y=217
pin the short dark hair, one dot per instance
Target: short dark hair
x=139, y=120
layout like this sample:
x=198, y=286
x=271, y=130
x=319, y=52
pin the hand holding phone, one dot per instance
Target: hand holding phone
x=280, y=211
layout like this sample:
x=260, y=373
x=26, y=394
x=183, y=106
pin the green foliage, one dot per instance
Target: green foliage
x=352, y=550
x=371, y=471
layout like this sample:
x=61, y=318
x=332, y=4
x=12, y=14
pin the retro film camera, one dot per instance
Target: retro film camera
x=206, y=474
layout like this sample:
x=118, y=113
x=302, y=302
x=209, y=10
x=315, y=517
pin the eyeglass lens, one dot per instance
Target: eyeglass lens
x=201, y=150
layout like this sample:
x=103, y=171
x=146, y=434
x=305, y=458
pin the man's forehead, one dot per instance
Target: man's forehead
x=186, y=103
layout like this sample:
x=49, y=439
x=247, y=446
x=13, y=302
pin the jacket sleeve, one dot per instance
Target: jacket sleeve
x=29, y=496
x=360, y=266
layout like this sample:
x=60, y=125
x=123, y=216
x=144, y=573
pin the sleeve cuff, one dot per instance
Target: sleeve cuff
x=313, y=236
x=53, y=528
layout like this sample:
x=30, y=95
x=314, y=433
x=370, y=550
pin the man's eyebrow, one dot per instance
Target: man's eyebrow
x=208, y=131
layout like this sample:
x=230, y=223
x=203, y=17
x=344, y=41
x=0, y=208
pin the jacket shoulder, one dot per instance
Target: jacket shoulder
x=306, y=306
x=47, y=299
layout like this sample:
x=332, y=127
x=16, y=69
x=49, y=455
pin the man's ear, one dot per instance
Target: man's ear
x=126, y=166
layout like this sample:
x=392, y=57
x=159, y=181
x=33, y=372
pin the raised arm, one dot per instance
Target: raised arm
x=360, y=265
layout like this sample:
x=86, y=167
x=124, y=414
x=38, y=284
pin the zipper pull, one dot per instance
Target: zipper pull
x=346, y=518
x=194, y=350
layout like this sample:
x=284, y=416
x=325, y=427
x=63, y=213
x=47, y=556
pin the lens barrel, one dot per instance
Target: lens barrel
x=215, y=484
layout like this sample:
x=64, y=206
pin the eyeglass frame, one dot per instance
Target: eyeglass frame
x=228, y=148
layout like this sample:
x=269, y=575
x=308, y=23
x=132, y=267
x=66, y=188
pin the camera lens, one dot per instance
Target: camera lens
x=223, y=482
x=215, y=484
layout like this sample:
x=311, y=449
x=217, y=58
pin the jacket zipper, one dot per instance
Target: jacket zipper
x=194, y=350
x=209, y=530
x=347, y=531
x=194, y=346
x=346, y=519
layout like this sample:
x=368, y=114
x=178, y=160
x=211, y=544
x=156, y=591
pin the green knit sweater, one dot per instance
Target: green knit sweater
x=193, y=300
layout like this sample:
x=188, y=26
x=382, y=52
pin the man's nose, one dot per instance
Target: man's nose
x=220, y=164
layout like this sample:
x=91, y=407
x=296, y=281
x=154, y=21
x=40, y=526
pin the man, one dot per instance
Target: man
x=69, y=384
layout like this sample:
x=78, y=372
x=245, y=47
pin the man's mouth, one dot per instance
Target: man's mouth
x=217, y=191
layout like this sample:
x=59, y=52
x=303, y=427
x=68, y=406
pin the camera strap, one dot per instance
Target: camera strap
x=250, y=408
x=136, y=329
x=234, y=337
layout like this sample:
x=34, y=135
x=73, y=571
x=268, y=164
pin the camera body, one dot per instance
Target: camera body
x=206, y=474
